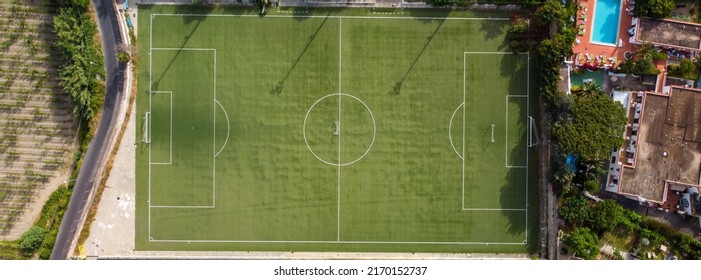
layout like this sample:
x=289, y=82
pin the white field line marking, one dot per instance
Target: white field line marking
x=306, y=141
x=450, y=135
x=150, y=73
x=464, y=112
x=214, y=134
x=340, y=132
x=214, y=102
x=228, y=127
x=528, y=130
x=506, y=142
x=338, y=242
x=170, y=155
x=333, y=17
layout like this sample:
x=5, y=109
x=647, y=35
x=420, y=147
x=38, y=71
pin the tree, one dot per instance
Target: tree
x=596, y=127
x=574, y=209
x=517, y=34
x=583, y=243
x=551, y=11
x=605, y=216
x=31, y=239
x=654, y=8
x=589, y=89
x=646, y=51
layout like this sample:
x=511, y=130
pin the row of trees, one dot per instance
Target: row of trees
x=82, y=64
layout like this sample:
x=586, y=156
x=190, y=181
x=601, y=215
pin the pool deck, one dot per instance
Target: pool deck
x=597, y=50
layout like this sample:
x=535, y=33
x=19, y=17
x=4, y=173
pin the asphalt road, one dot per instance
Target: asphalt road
x=97, y=151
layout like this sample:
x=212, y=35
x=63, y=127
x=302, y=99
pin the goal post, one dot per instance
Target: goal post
x=533, y=139
x=145, y=136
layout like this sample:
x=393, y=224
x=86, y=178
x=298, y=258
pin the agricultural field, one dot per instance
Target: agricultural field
x=37, y=127
x=332, y=130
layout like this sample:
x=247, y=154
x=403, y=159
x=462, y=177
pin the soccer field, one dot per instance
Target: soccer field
x=332, y=130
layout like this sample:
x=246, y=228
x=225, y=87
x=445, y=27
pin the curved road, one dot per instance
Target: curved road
x=108, y=23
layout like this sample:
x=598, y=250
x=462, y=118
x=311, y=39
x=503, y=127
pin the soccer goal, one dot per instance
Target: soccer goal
x=145, y=137
x=533, y=139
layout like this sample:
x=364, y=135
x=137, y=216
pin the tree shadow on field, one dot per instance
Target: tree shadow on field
x=280, y=86
x=193, y=12
x=486, y=137
x=492, y=28
x=396, y=90
x=427, y=16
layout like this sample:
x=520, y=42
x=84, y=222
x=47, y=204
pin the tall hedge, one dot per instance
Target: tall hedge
x=81, y=59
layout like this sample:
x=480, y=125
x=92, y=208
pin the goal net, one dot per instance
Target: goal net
x=533, y=138
x=145, y=136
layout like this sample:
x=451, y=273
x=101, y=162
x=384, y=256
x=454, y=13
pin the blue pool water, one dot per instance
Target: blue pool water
x=607, y=16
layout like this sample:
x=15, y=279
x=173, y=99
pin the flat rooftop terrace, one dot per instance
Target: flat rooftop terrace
x=669, y=32
x=668, y=147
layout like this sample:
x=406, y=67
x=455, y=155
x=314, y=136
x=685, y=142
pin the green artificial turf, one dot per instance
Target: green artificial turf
x=337, y=130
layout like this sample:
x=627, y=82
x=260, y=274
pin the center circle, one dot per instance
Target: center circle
x=339, y=129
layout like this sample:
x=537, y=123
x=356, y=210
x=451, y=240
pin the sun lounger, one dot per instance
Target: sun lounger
x=582, y=27
x=581, y=33
x=583, y=16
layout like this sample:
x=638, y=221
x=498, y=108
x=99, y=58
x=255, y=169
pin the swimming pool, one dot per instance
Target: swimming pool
x=607, y=17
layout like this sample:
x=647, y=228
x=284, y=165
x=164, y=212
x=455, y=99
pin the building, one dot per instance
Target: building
x=660, y=162
x=668, y=34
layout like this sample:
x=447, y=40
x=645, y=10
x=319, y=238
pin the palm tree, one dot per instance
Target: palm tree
x=646, y=51
x=627, y=66
x=590, y=89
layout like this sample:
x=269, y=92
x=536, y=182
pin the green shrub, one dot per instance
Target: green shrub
x=583, y=243
x=123, y=57
x=30, y=240
x=591, y=185
x=686, y=69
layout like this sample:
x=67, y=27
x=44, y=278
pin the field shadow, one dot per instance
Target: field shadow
x=427, y=16
x=514, y=193
x=397, y=88
x=280, y=86
x=511, y=194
